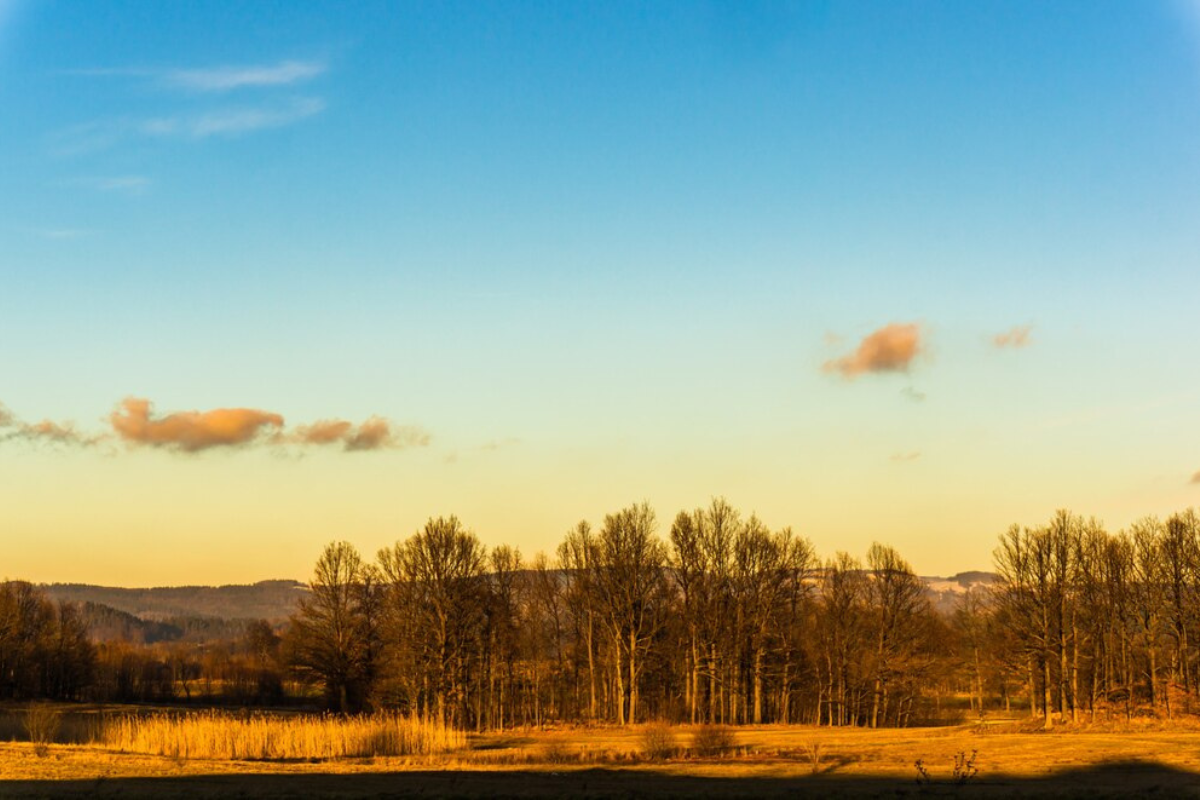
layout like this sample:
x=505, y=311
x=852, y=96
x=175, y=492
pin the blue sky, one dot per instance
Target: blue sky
x=596, y=253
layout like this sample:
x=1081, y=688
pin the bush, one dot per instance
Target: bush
x=712, y=740
x=42, y=723
x=658, y=742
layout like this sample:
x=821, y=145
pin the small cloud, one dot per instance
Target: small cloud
x=1015, y=337
x=326, y=431
x=833, y=339
x=904, y=457
x=1195, y=478
x=375, y=433
x=63, y=433
x=915, y=395
x=889, y=349
x=224, y=79
x=190, y=431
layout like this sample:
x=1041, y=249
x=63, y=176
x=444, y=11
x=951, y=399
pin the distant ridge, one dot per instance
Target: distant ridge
x=272, y=600
x=275, y=600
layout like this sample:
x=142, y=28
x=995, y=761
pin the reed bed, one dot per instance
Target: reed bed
x=218, y=735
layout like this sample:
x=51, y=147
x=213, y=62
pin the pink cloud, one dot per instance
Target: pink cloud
x=190, y=431
x=892, y=348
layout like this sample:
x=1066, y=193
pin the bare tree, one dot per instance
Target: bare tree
x=334, y=636
x=436, y=607
x=631, y=590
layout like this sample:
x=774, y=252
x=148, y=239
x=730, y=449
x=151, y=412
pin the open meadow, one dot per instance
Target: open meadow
x=641, y=761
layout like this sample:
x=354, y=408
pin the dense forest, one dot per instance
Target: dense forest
x=720, y=620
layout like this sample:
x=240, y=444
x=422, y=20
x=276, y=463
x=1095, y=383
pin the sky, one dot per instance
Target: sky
x=278, y=274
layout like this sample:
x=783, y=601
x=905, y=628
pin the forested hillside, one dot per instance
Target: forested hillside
x=272, y=600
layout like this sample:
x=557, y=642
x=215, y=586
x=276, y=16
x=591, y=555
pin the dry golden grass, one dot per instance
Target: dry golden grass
x=222, y=736
x=770, y=759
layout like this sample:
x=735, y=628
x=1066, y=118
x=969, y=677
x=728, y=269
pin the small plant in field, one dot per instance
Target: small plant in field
x=813, y=751
x=712, y=740
x=658, y=742
x=964, y=767
x=42, y=723
x=922, y=773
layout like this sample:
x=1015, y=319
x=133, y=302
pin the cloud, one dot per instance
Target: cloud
x=889, y=349
x=224, y=79
x=916, y=395
x=214, y=79
x=903, y=457
x=55, y=432
x=232, y=122
x=376, y=433
x=326, y=431
x=135, y=422
x=49, y=431
x=1015, y=337
x=190, y=431
x=1195, y=478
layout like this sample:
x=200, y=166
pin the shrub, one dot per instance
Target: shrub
x=41, y=723
x=658, y=742
x=712, y=740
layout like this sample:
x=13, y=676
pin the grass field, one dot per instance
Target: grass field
x=610, y=762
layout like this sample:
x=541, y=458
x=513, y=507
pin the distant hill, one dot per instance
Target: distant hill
x=273, y=601
x=197, y=612
x=944, y=593
x=107, y=624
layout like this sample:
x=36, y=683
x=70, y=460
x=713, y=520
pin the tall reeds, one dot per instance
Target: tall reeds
x=218, y=735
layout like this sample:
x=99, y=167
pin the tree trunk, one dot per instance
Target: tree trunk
x=758, y=686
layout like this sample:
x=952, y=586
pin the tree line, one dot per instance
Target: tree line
x=723, y=621
x=717, y=619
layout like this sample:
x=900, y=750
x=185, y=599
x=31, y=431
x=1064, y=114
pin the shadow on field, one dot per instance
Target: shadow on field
x=1111, y=780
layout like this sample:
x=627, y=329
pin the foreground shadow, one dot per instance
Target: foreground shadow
x=1131, y=779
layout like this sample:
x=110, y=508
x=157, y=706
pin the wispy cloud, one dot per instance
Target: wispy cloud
x=376, y=433
x=219, y=78
x=232, y=122
x=915, y=395
x=1015, y=337
x=891, y=348
x=46, y=431
x=905, y=457
x=229, y=122
x=1195, y=477
x=227, y=78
